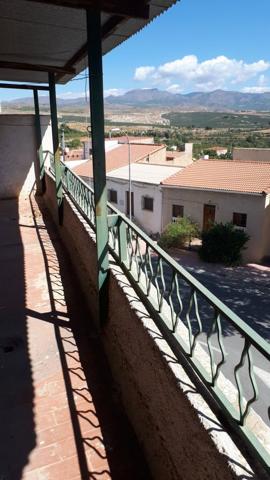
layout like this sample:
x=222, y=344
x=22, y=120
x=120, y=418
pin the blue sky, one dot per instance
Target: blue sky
x=197, y=45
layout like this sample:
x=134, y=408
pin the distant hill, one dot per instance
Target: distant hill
x=218, y=100
x=27, y=102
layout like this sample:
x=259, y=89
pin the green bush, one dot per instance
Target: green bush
x=223, y=243
x=74, y=143
x=178, y=233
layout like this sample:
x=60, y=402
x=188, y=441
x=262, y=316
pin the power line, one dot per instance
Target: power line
x=81, y=78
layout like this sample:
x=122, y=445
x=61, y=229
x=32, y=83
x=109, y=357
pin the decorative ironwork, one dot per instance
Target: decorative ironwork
x=180, y=304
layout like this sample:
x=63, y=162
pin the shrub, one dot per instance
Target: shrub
x=223, y=243
x=178, y=233
x=74, y=143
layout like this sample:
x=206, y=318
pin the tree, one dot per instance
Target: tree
x=74, y=143
x=223, y=243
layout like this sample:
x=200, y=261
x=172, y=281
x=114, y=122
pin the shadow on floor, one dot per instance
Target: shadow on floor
x=106, y=446
x=18, y=436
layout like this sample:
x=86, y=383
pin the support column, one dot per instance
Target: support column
x=98, y=148
x=56, y=150
x=39, y=162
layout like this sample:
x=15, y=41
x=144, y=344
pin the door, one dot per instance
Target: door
x=132, y=203
x=209, y=212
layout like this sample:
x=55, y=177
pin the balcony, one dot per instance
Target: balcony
x=60, y=415
x=115, y=361
x=89, y=396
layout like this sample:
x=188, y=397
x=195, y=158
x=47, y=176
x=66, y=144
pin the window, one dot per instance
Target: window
x=148, y=203
x=240, y=219
x=177, y=211
x=112, y=194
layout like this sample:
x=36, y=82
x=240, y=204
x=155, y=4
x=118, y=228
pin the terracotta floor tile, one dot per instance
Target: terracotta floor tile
x=58, y=415
x=65, y=470
x=55, y=434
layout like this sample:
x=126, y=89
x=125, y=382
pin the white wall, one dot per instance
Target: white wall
x=149, y=221
x=266, y=229
x=18, y=151
x=225, y=203
x=252, y=154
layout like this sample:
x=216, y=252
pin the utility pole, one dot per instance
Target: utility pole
x=129, y=178
x=63, y=142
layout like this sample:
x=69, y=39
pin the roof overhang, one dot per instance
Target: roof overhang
x=38, y=37
x=213, y=190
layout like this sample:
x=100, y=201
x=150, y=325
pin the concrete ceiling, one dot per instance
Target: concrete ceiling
x=37, y=35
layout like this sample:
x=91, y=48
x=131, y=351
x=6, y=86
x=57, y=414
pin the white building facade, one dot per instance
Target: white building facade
x=146, y=193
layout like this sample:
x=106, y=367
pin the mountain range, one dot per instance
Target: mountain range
x=218, y=100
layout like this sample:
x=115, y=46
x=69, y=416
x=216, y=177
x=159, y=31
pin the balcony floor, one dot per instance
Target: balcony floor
x=59, y=414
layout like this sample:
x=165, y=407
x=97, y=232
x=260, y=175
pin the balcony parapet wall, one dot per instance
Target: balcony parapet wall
x=18, y=152
x=180, y=435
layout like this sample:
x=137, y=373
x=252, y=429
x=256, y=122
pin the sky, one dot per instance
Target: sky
x=197, y=45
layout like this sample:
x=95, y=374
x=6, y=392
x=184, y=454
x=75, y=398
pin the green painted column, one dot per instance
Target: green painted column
x=56, y=149
x=98, y=150
x=39, y=163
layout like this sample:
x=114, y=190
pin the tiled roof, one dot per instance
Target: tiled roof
x=144, y=172
x=132, y=139
x=118, y=157
x=216, y=149
x=223, y=175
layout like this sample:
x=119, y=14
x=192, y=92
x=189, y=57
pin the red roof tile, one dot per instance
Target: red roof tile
x=132, y=139
x=223, y=175
x=118, y=157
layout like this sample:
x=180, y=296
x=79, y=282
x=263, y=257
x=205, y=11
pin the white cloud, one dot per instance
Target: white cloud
x=218, y=72
x=142, y=73
x=71, y=95
x=261, y=87
x=256, y=89
x=174, y=88
x=114, y=91
x=109, y=91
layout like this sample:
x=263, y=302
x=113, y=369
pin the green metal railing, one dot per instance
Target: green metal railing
x=80, y=191
x=184, y=310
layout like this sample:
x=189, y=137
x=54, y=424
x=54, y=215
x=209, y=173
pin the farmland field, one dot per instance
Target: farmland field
x=243, y=120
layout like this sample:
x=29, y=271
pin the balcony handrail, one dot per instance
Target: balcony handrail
x=262, y=345
x=125, y=245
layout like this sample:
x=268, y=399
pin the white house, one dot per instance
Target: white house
x=148, y=169
x=113, y=142
x=146, y=192
x=223, y=191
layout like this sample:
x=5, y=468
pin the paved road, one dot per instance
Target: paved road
x=246, y=290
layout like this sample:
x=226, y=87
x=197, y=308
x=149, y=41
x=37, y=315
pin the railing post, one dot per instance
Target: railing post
x=94, y=39
x=39, y=160
x=122, y=239
x=56, y=150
